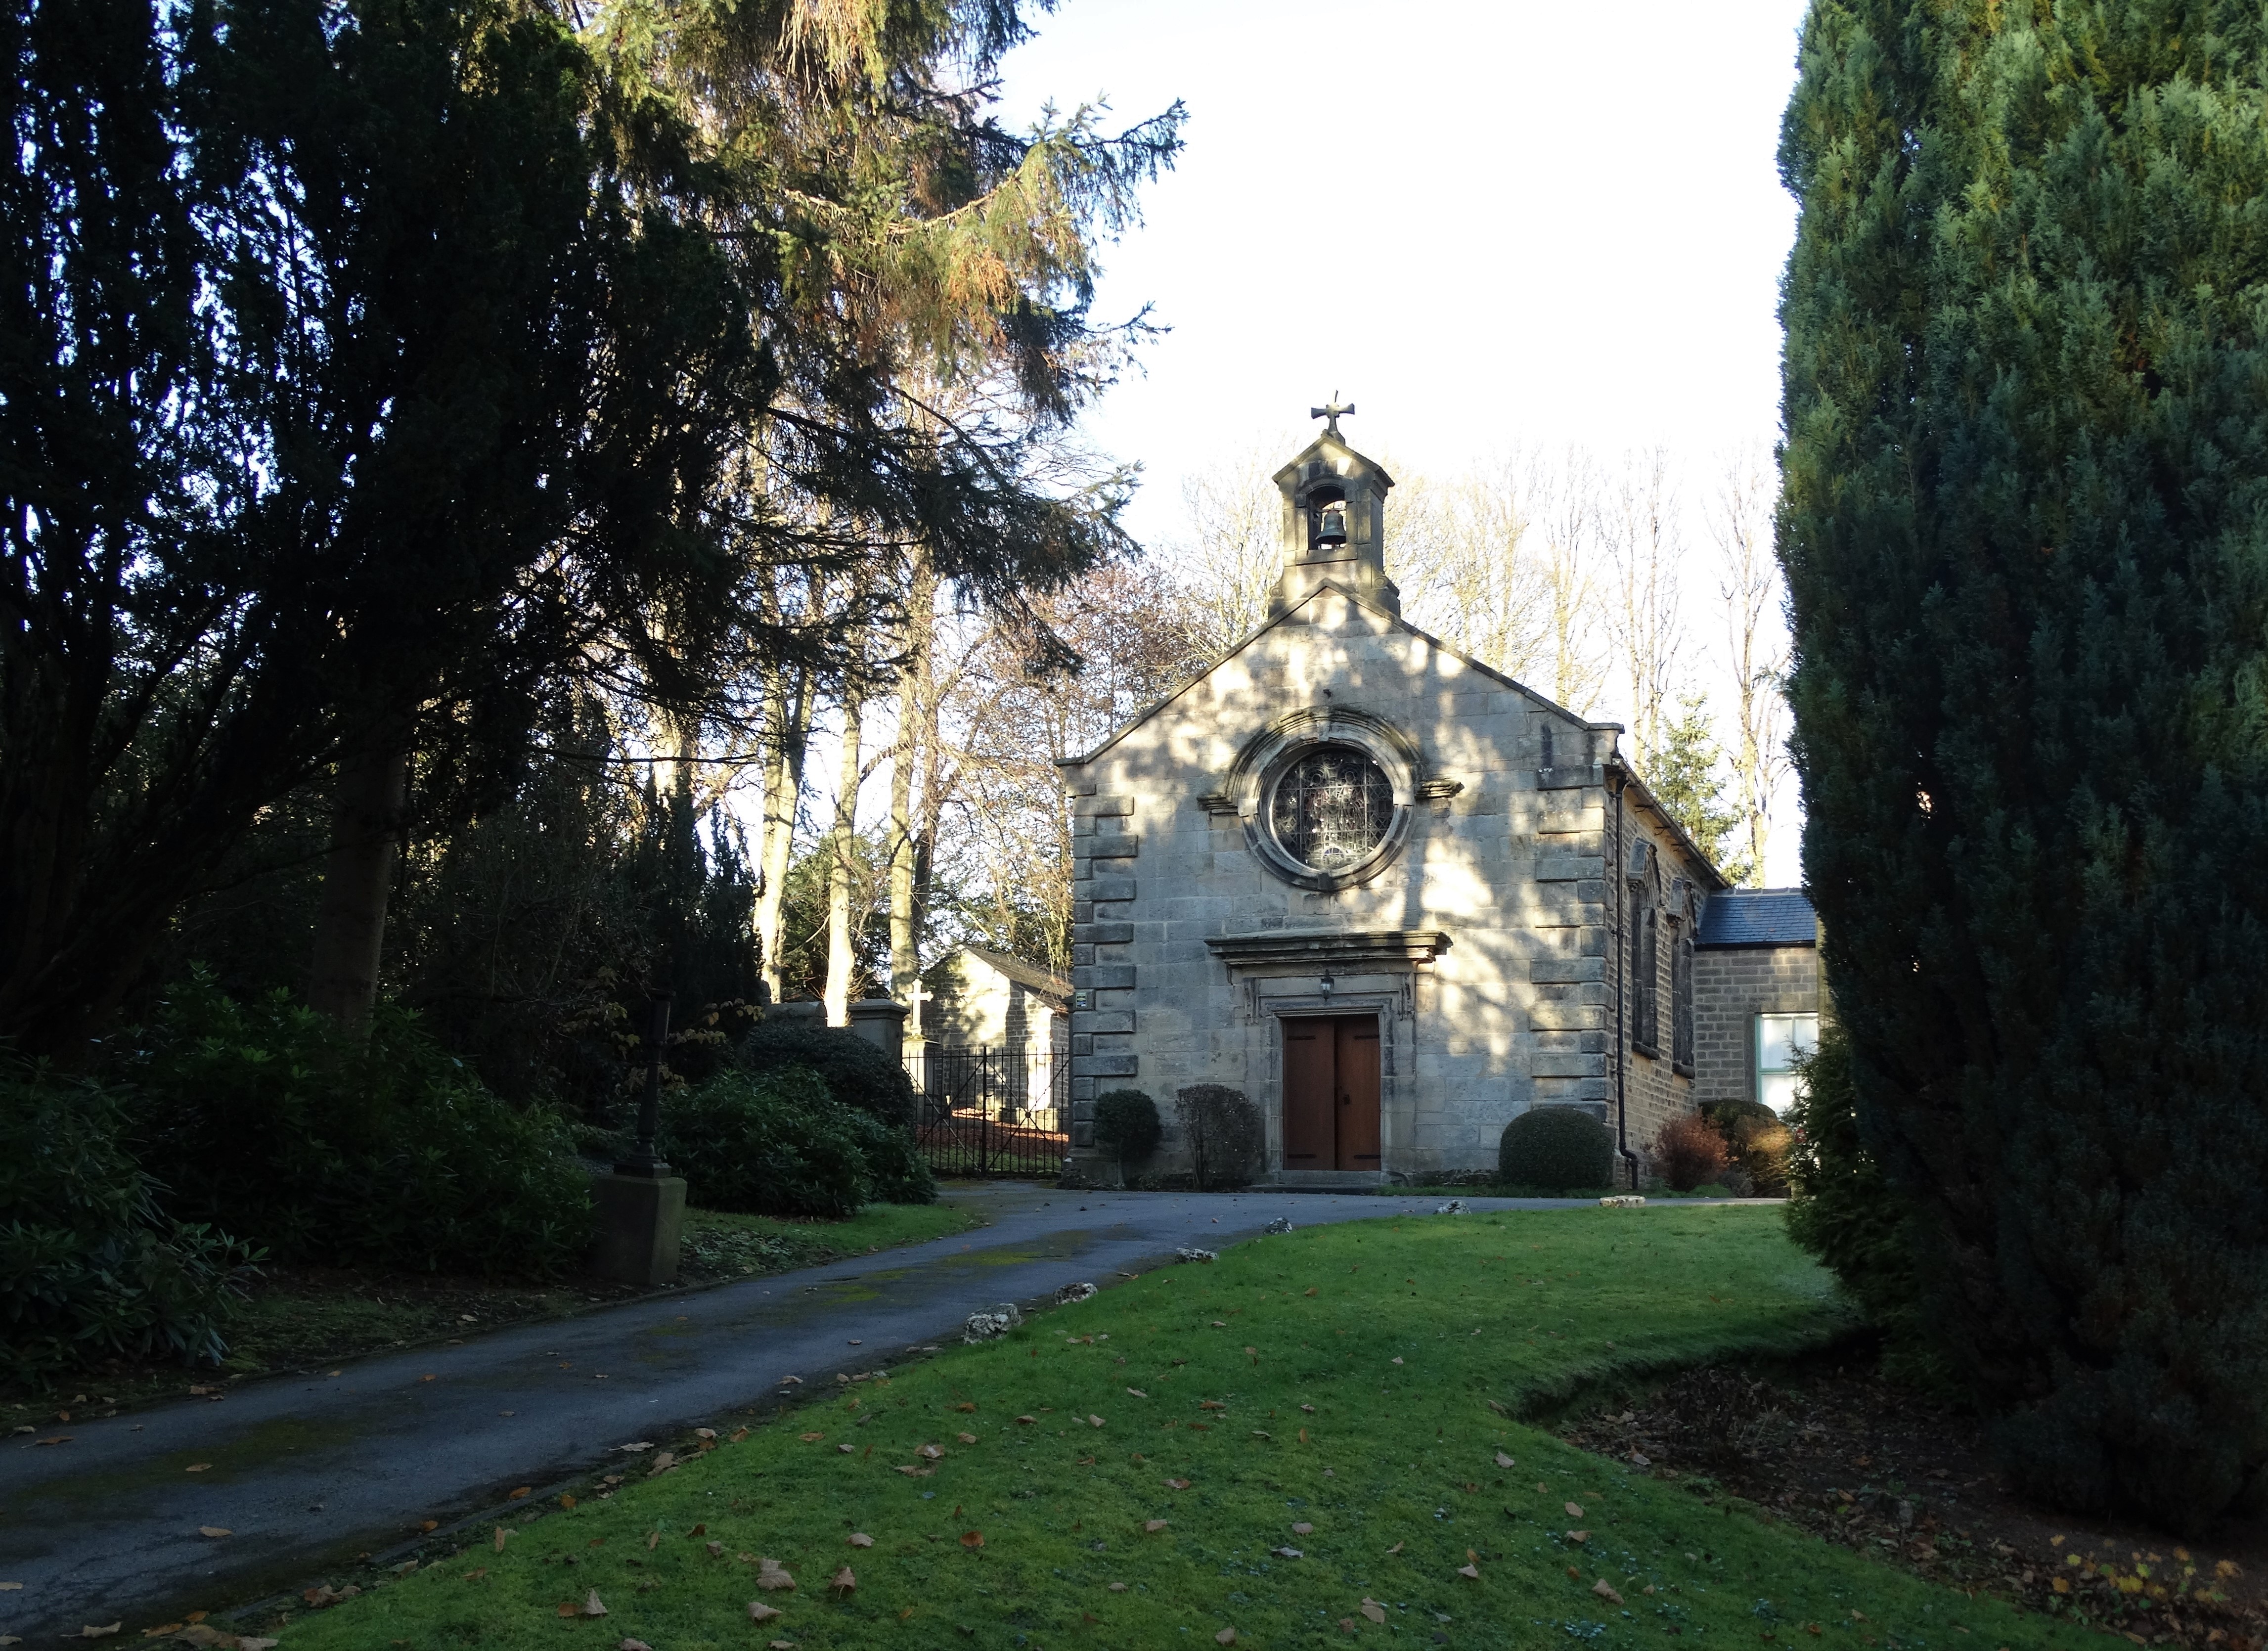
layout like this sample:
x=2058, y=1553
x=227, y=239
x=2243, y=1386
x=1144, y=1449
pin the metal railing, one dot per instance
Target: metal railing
x=992, y=1112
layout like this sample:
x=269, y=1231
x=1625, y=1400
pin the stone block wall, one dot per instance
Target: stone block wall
x=1732, y=985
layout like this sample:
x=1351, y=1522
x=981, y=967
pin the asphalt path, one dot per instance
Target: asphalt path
x=316, y=1472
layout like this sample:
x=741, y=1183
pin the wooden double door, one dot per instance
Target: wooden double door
x=1330, y=1092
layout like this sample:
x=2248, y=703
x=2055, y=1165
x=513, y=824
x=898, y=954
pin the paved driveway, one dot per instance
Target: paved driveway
x=313, y=1471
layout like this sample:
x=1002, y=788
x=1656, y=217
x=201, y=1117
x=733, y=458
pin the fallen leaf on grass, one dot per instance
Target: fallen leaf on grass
x=1151, y=1527
x=1094, y=1421
x=215, y=1530
x=758, y=1612
x=972, y=1538
x=772, y=1577
x=517, y=1494
x=1025, y=1420
x=566, y=1501
x=1177, y=1484
x=1578, y=1536
x=850, y=1450
x=1574, y=1510
x=810, y=1439
x=780, y=1645
x=843, y=1583
x=1212, y=1404
x=917, y=1473
x=1220, y=1324
x=1605, y=1590
x=1469, y=1572
x=1118, y=1588
x=1137, y=1393
x=1287, y=1554
x=970, y=1408
x=1503, y=1461
x=716, y=1550
x=860, y=1539
x=1396, y=1548
x=930, y=1452
x=1372, y=1610
x=474, y=1576
x=1303, y=1436
x=323, y=1593
x=737, y=1434
x=1303, y=1528
x=1311, y=1289
x=1256, y=1434
x=93, y=1633
x=1398, y=1358
x=633, y=1645
x=1226, y=1636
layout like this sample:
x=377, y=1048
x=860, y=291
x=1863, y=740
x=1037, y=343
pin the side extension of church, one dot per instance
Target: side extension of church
x=1394, y=897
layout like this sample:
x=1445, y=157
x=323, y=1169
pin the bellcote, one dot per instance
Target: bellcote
x=1334, y=526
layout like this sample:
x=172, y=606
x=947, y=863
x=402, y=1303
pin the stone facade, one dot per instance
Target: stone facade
x=975, y=998
x=1759, y=954
x=1488, y=930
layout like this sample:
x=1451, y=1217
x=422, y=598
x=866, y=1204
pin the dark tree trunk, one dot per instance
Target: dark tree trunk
x=366, y=816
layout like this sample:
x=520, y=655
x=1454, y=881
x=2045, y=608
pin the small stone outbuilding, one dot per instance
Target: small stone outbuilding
x=1760, y=994
x=1392, y=896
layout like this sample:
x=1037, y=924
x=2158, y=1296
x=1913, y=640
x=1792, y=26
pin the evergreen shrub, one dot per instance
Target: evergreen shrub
x=897, y=1170
x=1689, y=1153
x=1225, y=1133
x=1127, y=1121
x=1842, y=1209
x=856, y=1073
x=91, y=1266
x=2024, y=519
x=322, y=1148
x=1562, y=1148
x=773, y=1143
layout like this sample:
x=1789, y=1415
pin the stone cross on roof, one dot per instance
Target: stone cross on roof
x=1333, y=411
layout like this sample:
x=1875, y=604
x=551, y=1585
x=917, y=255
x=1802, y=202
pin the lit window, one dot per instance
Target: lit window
x=1781, y=1039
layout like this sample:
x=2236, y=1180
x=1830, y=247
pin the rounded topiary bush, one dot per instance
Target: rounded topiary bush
x=855, y=1073
x=1558, y=1147
x=1126, y=1122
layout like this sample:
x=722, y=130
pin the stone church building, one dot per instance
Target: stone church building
x=1392, y=896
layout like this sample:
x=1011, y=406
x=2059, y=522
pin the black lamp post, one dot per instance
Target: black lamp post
x=641, y=1161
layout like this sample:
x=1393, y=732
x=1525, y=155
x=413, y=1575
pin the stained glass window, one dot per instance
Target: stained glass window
x=1332, y=808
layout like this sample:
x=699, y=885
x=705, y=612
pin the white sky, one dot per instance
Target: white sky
x=1485, y=224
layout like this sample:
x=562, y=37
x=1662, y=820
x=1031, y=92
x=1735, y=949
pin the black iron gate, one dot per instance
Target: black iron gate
x=992, y=1112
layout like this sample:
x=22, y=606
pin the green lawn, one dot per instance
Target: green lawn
x=1353, y=1379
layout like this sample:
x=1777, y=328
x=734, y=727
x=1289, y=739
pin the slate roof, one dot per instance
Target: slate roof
x=1028, y=975
x=1758, y=916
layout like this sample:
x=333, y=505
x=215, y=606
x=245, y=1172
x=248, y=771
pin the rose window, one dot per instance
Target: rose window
x=1332, y=807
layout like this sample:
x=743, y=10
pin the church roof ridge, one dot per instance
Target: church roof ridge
x=1266, y=625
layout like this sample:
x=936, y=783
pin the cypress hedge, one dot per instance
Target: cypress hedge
x=2025, y=527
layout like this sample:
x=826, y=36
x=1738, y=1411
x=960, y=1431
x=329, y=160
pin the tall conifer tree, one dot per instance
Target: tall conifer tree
x=2026, y=465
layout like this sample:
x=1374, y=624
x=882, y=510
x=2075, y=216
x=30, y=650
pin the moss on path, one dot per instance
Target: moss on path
x=1308, y=1442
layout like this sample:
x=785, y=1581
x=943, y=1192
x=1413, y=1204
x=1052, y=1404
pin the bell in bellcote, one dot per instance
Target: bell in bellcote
x=1330, y=532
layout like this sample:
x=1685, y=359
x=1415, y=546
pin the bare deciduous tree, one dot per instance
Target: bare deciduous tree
x=1756, y=640
x=1639, y=519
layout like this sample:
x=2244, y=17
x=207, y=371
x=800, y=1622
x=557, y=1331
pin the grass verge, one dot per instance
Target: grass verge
x=1311, y=1442
x=301, y=1316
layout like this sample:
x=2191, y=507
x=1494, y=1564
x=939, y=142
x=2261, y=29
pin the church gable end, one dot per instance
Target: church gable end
x=1364, y=879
